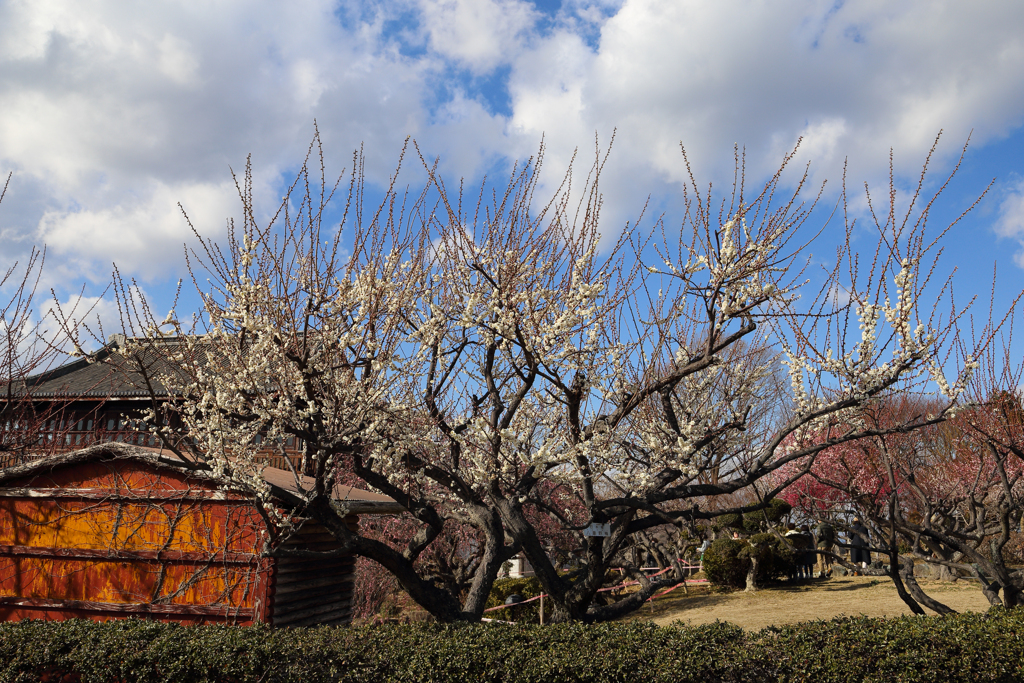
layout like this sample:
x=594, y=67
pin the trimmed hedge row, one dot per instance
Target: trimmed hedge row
x=970, y=647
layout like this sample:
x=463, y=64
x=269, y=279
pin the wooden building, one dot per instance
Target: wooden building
x=116, y=530
x=89, y=400
x=98, y=399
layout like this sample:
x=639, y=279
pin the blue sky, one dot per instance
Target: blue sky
x=111, y=113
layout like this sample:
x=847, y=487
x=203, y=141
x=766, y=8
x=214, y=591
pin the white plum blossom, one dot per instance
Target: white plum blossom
x=469, y=358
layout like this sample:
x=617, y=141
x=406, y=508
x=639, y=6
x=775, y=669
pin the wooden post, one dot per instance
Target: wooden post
x=541, y=609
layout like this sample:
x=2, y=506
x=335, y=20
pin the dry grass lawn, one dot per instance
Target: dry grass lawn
x=778, y=605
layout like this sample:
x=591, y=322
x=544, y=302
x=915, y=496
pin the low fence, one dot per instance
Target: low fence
x=620, y=586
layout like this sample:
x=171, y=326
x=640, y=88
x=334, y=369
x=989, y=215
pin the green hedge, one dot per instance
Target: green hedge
x=965, y=647
x=972, y=647
x=147, y=652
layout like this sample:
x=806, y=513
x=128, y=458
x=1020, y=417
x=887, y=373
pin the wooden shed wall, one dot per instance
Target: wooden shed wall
x=121, y=537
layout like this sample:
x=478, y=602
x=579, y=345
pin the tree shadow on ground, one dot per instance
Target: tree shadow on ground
x=816, y=586
x=692, y=602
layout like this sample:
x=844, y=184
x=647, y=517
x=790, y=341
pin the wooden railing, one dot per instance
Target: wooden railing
x=73, y=440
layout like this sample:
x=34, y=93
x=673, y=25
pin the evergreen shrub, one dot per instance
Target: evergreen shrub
x=756, y=522
x=964, y=647
x=777, y=560
x=727, y=560
x=723, y=565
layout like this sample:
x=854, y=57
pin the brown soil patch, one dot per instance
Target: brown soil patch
x=807, y=601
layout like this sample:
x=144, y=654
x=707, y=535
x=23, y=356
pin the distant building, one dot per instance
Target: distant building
x=100, y=399
x=518, y=567
x=98, y=520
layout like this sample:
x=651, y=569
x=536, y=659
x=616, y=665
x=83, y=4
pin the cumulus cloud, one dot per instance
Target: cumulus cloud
x=1011, y=217
x=151, y=230
x=113, y=114
x=58, y=330
x=92, y=319
x=477, y=34
x=852, y=78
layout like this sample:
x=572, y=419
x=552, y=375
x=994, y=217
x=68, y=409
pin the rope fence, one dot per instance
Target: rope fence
x=602, y=590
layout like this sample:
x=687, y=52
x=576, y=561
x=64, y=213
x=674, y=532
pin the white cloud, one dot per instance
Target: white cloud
x=1011, y=218
x=113, y=113
x=178, y=90
x=57, y=329
x=178, y=60
x=150, y=231
x=91, y=319
x=466, y=136
x=477, y=34
x=853, y=78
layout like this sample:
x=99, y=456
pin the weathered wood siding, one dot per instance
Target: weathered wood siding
x=313, y=591
x=122, y=537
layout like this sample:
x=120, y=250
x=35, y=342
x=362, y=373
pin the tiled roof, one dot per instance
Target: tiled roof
x=104, y=374
x=356, y=500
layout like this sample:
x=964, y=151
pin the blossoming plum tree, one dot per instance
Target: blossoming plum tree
x=468, y=354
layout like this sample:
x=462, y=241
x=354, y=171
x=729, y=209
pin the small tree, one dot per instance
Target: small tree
x=30, y=426
x=468, y=355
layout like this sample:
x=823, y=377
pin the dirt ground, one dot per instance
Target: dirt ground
x=775, y=606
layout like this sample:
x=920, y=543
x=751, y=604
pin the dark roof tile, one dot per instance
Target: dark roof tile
x=108, y=373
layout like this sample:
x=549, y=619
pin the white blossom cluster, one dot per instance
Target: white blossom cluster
x=713, y=425
x=252, y=381
x=520, y=307
x=738, y=269
x=861, y=372
x=454, y=363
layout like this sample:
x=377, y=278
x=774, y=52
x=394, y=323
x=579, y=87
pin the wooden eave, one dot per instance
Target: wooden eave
x=283, y=484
